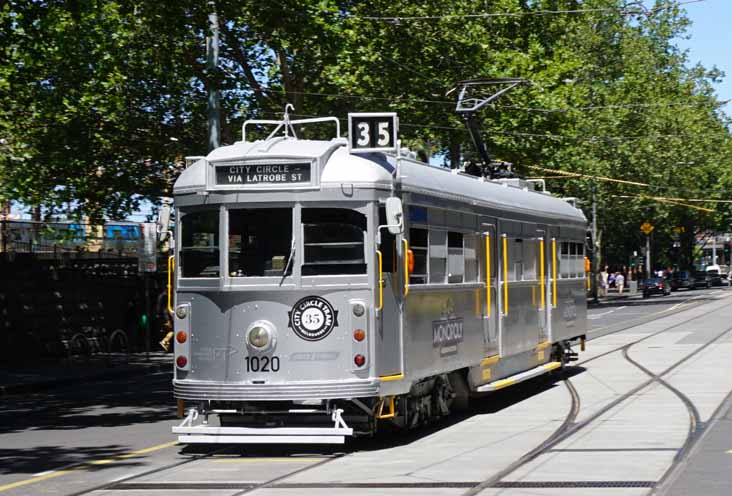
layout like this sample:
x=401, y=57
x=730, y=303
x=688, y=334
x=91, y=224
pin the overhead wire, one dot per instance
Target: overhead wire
x=672, y=200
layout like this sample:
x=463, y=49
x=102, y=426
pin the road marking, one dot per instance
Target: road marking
x=148, y=450
x=39, y=478
x=50, y=474
x=596, y=316
x=267, y=460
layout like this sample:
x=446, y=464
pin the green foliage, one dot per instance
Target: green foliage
x=96, y=85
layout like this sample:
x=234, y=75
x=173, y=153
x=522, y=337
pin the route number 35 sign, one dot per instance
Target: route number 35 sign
x=372, y=132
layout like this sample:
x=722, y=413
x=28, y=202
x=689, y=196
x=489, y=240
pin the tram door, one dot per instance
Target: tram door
x=489, y=276
x=389, y=345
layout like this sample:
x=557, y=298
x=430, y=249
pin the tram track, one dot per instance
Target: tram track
x=244, y=487
x=570, y=428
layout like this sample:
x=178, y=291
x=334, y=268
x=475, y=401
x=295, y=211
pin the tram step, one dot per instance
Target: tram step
x=520, y=377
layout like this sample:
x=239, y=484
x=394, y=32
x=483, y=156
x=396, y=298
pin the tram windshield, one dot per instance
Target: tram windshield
x=260, y=242
x=334, y=241
x=199, y=253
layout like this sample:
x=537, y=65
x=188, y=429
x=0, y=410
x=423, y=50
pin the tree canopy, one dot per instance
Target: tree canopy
x=100, y=97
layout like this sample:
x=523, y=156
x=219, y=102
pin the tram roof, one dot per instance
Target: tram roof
x=376, y=170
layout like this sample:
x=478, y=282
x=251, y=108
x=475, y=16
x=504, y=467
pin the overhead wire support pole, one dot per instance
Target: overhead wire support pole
x=212, y=63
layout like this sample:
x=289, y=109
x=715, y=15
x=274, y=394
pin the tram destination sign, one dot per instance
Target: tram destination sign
x=263, y=173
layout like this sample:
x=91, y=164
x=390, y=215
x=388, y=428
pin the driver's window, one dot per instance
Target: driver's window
x=260, y=242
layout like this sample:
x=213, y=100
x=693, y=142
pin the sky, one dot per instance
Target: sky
x=711, y=41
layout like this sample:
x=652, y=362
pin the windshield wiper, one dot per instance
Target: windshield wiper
x=289, y=261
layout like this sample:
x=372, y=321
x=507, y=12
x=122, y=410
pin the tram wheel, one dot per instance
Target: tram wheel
x=459, y=385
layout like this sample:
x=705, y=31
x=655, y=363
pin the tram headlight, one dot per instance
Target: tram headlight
x=359, y=309
x=181, y=312
x=261, y=336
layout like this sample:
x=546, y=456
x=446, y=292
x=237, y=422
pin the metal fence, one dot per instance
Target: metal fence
x=82, y=240
x=74, y=289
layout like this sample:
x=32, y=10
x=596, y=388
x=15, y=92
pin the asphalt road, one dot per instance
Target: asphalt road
x=618, y=313
x=70, y=440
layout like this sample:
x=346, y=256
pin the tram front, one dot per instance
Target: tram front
x=276, y=307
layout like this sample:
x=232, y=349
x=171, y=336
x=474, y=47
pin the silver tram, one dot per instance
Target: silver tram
x=322, y=291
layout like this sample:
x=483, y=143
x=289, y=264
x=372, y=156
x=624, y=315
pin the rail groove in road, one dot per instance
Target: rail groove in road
x=569, y=429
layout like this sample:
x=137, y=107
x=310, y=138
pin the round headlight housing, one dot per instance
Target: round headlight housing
x=261, y=336
x=359, y=309
x=181, y=312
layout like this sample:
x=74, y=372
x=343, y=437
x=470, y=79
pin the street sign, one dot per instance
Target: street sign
x=647, y=228
x=372, y=132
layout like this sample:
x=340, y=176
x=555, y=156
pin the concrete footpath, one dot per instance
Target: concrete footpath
x=40, y=376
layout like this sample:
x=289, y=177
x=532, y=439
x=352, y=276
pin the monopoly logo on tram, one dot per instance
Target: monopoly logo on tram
x=289, y=173
x=447, y=332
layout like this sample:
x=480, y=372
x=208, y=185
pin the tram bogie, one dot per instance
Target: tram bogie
x=321, y=293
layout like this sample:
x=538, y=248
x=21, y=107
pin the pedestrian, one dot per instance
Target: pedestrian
x=620, y=282
x=166, y=320
x=603, y=282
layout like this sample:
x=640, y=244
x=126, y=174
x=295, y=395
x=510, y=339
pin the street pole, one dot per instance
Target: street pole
x=648, y=255
x=148, y=311
x=212, y=63
x=594, y=272
x=714, y=251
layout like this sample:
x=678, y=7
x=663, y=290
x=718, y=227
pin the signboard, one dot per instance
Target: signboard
x=372, y=132
x=647, y=228
x=262, y=174
x=147, y=248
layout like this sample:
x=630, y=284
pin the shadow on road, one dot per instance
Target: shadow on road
x=100, y=404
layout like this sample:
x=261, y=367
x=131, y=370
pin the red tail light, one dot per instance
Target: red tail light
x=181, y=361
x=181, y=337
x=359, y=335
x=359, y=360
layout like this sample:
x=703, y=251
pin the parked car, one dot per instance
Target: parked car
x=682, y=280
x=715, y=279
x=655, y=285
x=702, y=279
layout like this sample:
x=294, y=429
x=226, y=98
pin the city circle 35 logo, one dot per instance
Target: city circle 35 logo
x=313, y=318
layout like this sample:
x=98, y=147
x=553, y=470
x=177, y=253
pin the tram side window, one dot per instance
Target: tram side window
x=530, y=259
x=455, y=258
x=199, y=252
x=438, y=257
x=564, y=260
x=516, y=255
x=418, y=245
x=470, y=241
x=334, y=241
x=260, y=242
